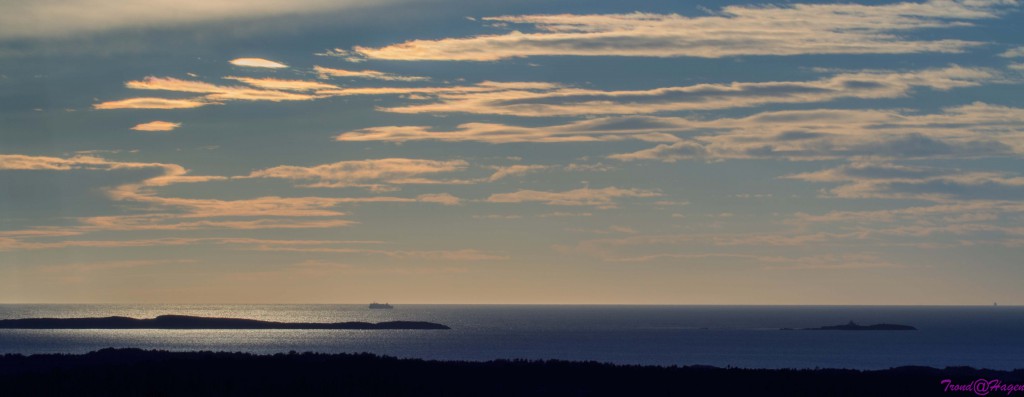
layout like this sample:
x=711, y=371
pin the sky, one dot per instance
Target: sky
x=520, y=152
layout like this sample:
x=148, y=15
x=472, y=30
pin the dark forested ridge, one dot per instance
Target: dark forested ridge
x=134, y=372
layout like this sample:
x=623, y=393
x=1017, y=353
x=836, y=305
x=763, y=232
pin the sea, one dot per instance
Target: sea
x=736, y=336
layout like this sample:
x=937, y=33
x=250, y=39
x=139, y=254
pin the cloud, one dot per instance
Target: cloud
x=604, y=198
x=892, y=181
x=439, y=198
x=685, y=248
x=364, y=173
x=216, y=93
x=771, y=262
x=560, y=214
x=90, y=267
x=257, y=63
x=1017, y=52
x=286, y=85
x=173, y=222
x=152, y=103
x=968, y=131
x=447, y=255
x=170, y=174
x=348, y=56
x=578, y=131
x=497, y=216
x=12, y=245
x=182, y=214
x=832, y=262
x=955, y=221
x=667, y=153
x=254, y=244
x=734, y=31
x=567, y=101
x=364, y=74
x=26, y=162
x=514, y=170
x=426, y=92
x=608, y=230
x=277, y=90
x=66, y=18
x=156, y=126
x=960, y=211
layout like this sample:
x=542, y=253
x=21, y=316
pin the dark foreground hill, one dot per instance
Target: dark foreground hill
x=134, y=372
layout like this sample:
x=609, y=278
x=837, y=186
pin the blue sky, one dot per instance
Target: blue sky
x=512, y=152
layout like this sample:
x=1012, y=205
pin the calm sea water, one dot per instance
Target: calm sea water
x=740, y=336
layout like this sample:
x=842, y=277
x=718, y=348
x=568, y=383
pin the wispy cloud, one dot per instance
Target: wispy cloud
x=894, y=181
x=218, y=93
x=277, y=90
x=249, y=243
x=669, y=153
x=174, y=222
x=374, y=174
x=169, y=174
x=602, y=198
x=364, y=74
x=758, y=248
x=734, y=31
x=560, y=214
x=286, y=85
x=439, y=198
x=155, y=126
x=1017, y=52
x=420, y=93
x=170, y=214
x=448, y=255
x=595, y=130
x=515, y=170
x=212, y=94
x=565, y=101
x=973, y=130
x=957, y=212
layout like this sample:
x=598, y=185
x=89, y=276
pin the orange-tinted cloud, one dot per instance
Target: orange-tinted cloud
x=568, y=101
x=364, y=173
x=157, y=125
x=257, y=63
x=364, y=74
x=604, y=197
x=216, y=93
x=287, y=85
x=735, y=31
x=153, y=103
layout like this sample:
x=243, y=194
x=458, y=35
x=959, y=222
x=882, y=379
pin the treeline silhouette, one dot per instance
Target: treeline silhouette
x=135, y=372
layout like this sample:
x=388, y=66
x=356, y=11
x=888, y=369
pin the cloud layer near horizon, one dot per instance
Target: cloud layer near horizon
x=64, y=18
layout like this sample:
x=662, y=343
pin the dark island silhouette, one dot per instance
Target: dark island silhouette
x=192, y=322
x=852, y=326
